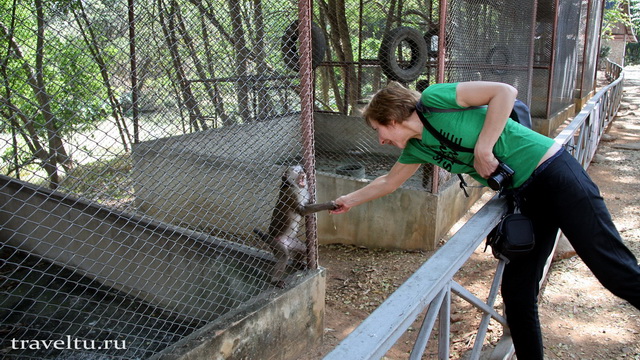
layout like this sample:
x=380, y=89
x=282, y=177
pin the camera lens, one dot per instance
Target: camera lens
x=495, y=181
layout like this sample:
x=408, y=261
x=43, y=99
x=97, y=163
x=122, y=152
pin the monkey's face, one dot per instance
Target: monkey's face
x=295, y=175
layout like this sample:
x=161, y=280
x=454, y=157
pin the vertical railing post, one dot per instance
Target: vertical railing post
x=134, y=71
x=445, y=325
x=427, y=324
x=306, y=122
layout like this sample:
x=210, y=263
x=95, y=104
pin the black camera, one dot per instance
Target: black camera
x=501, y=177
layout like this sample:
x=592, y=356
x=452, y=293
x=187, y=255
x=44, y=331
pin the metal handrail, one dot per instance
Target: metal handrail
x=431, y=285
x=582, y=135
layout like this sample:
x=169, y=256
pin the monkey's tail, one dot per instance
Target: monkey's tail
x=264, y=237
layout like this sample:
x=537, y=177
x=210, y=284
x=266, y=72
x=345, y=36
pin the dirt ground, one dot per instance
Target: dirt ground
x=580, y=319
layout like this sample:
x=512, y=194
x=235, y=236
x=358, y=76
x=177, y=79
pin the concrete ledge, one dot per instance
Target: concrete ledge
x=279, y=325
x=548, y=126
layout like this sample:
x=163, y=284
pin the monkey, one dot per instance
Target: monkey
x=291, y=207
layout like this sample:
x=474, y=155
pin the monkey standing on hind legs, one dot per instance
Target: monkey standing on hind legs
x=291, y=207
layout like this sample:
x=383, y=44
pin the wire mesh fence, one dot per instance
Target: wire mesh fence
x=143, y=142
x=368, y=45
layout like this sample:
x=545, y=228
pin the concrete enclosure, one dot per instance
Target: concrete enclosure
x=204, y=279
x=208, y=181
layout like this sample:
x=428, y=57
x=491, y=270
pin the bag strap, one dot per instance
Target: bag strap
x=437, y=110
x=421, y=109
x=443, y=139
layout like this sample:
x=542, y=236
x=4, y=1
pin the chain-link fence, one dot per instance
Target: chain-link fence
x=143, y=142
x=548, y=54
x=368, y=45
x=589, y=46
x=566, y=46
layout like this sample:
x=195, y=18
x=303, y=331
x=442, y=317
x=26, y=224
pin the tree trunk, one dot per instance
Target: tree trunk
x=241, y=57
x=90, y=40
x=56, y=153
x=217, y=99
x=202, y=74
x=265, y=102
x=341, y=44
x=172, y=43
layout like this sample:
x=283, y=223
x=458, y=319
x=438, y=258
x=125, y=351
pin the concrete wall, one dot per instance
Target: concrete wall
x=341, y=133
x=280, y=325
x=548, y=126
x=405, y=219
x=199, y=179
x=225, y=179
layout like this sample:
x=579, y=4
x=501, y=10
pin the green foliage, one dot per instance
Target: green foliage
x=69, y=74
x=614, y=14
x=632, y=54
x=634, y=8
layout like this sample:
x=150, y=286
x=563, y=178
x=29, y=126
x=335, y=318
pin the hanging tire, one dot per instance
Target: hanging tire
x=290, y=46
x=400, y=70
x=499, y=56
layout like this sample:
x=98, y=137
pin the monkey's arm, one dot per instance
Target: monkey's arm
x=313, y=208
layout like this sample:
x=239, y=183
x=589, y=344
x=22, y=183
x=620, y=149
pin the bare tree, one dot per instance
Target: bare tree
x=90, y=39
x=54, y=153
x=169, y=27
x=335, y=13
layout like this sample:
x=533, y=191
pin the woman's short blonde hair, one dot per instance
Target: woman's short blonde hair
x=392, y=103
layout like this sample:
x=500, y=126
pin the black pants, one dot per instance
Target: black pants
x=563, y=196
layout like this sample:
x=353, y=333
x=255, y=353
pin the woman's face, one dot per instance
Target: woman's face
x=393, y=134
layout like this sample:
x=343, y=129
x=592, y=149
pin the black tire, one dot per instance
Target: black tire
x=403, y=71
x=499, y=56
x=290, y=46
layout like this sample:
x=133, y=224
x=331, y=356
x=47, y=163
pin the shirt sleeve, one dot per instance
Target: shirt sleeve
x=441, y=96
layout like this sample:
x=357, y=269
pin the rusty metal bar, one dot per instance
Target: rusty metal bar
x=441, y=60
x=552, y=59
x=134, y=71
x=532, y=51
x=306, y=122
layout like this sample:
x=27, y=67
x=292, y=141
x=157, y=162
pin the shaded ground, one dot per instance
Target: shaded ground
x=580, y=319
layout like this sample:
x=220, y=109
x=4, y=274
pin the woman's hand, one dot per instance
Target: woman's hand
x=485, y=164
x=342, y=207
x=381, y=186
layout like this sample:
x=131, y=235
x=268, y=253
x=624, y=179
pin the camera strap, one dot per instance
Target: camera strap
x=421, y=109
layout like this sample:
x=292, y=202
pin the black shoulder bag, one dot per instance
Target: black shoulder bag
x=513, y=236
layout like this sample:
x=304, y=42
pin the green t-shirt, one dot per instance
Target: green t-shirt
x=518, y=146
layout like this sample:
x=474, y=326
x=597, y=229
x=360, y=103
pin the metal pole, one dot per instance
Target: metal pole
x=441, y=57
x=306, y=122
x=552, y=59
x=134, y=71
x=532, y=53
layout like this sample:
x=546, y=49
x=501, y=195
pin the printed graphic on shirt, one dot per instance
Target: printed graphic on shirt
x=445, y=156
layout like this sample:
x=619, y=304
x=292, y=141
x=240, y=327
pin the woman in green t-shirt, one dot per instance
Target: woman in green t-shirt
x=550, y=186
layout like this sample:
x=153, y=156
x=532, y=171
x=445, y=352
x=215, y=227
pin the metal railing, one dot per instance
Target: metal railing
x=582, y=135
x=430, y=287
